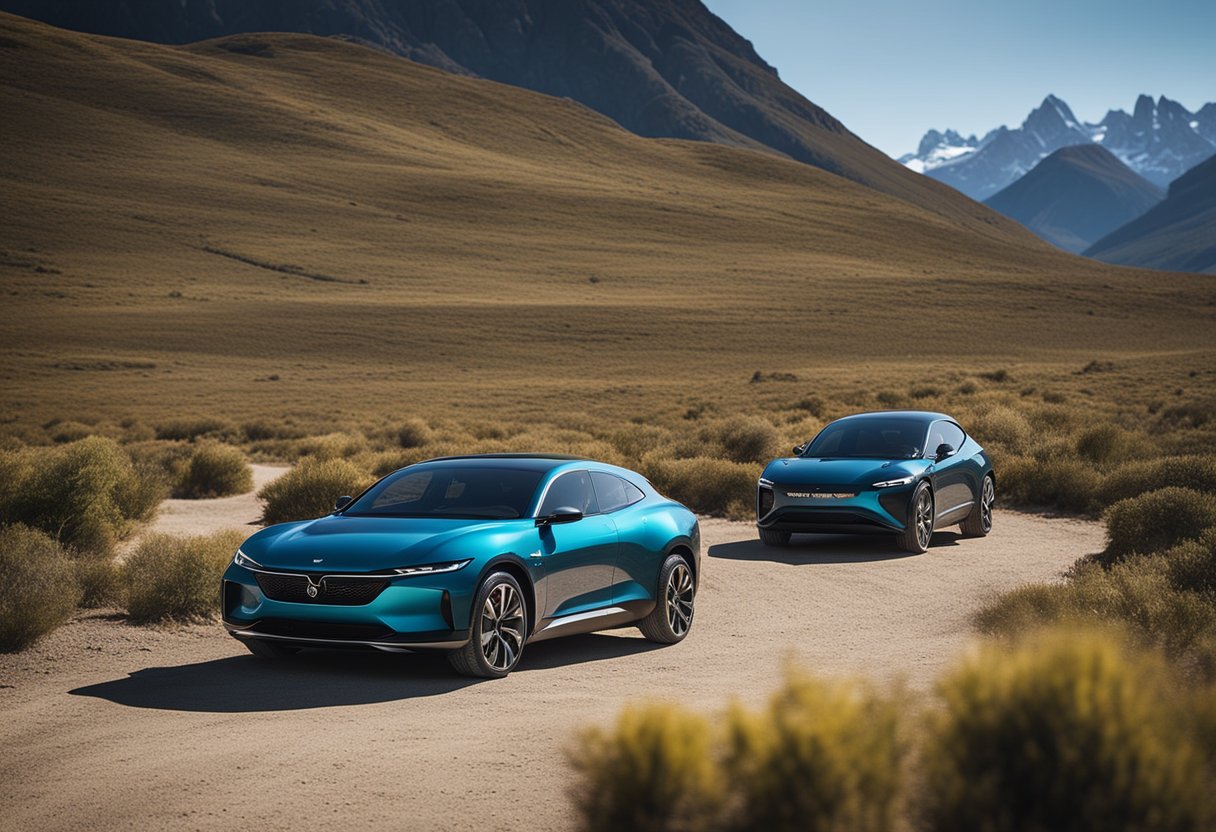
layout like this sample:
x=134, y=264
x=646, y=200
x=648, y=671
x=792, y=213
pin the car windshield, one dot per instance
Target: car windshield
x=876, y=438
x=452, y=491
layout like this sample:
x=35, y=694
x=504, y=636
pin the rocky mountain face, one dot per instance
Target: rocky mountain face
x=1159, y=140
x=1077, y=195
x=660, y=68
x=1178, y=234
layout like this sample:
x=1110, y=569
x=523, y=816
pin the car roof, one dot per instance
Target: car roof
x=530, y=462
x=916, y=415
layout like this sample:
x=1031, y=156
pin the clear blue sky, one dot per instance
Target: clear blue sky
x=890, y=69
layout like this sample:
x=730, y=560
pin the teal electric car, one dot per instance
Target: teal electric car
x=476, y=556
x=903, y=473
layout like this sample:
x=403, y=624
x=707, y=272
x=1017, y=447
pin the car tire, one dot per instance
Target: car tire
x=671, y=618
x=498, y=630
x=979, y=522
x=270, y=650
x=774, y=538
x=918, y=529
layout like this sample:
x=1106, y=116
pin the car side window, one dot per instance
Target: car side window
x=570, y=490
x=614, y=493
x=946, y=433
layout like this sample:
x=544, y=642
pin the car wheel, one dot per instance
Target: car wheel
x=497, y=631
x=919, y=528
x=979, y=522
x=774, y=538
x=671, y=618
x=269, y=649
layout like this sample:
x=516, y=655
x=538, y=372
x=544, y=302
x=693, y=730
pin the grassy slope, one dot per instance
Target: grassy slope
x=524, y=257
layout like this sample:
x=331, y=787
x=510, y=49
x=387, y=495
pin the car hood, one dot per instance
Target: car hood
x=369, y=544
x=838, y=471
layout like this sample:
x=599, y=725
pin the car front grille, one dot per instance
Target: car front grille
x=339, y=591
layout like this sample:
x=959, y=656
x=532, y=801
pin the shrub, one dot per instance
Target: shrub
x=1060, y=482
x=999, y=376
x=655, y=770
x=1066, y=732
x=747, y=440
x=1108, y=443
x=85, y=494
x=821, y=757
x=192, y=429
x=1003, y=426
x=261, y=430
x=1191, y=566
x=40, y=589
x=1136, y=478
x=414, y=433
x=61, y=432
x=309, y=489
x=177, y=578
x=214, y=470
x=101, y=583
x=1156, y=521
x=707, y=485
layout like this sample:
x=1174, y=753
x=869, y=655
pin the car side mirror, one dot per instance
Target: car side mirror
x=342, y=502
x=944, y=450
x=565, y=514
x=798, y=449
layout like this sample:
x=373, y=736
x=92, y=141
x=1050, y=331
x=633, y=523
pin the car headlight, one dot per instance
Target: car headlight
x=766, y=483
x=242, y=559
x=433, y=568
x=890, y=483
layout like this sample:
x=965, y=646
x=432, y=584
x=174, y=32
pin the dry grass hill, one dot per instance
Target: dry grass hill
x=289, y=225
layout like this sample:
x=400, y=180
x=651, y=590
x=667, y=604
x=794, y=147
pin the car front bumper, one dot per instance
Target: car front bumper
x=867, y=511
x=407, y=614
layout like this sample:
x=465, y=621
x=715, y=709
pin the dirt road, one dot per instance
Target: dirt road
x=110, y=726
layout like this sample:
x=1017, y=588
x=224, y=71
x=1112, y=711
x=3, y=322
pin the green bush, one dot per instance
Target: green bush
x=654, y=771
x=1067, y=732
x=822, y=757
x=1136, y=478
x=214, y=470
x=1109, y=443
x=40, y=589
x=1191, y=566
x=1156, y=521
x=86, y=494
x=1139, y=594
x=747, y=440
x=1057, y=482
x=309, y=489
x=177, y=578
x=1003, y=426
x=413, y=433
x=101, y=583
x=707, y=485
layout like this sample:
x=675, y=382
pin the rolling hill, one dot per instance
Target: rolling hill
x=297, y=226
x=1178, y=234
x=660, y=68
x=1076, y=196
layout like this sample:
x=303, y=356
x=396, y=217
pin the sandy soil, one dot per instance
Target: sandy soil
x=110, y=726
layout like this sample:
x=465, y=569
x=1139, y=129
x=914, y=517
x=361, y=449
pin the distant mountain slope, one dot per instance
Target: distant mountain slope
x=1159, y=140
x=660, y=68
x=1077, y=195
x=1178, y=234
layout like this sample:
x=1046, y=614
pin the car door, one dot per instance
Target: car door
x=953, y=490
x=579, y=557
x=638, y=541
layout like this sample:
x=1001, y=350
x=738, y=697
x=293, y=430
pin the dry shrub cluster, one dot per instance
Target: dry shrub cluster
x=169, y=578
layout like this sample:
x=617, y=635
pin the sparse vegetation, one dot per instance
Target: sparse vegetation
x=1156, y=521
x=40, y=588
x=214, y=470
x=1066, y=732
x=309, y=489
x=171, y=578
x=101, y=583
x=714, y=486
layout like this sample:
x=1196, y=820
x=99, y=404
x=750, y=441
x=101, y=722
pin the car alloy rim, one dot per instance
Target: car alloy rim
x=679, y=599
x=502, y=627
x=986, y=501
x=924, y=519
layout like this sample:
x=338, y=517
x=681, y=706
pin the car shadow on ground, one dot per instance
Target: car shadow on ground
x=329, y=678
x=810, y=549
